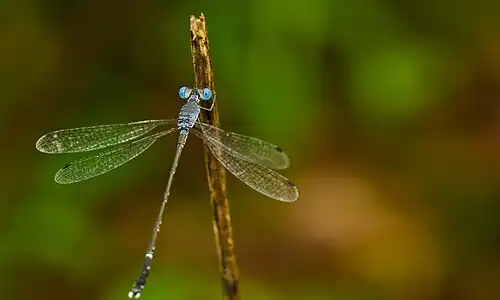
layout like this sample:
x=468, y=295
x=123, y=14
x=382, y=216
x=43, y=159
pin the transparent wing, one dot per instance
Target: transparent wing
x=95, y=137
x=105, y=161
x=248, y=148
x=256, y=176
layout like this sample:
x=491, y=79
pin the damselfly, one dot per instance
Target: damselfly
x=249, y=159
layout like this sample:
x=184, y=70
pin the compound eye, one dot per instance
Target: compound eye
x=184, y=92
x=206, y=94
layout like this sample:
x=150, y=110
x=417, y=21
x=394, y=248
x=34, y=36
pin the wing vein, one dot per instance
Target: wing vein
x=256, y=176
x=103, y=162
x=95, y=137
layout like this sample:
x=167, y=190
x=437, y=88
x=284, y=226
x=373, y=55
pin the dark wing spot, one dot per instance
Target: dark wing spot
x=279, y=149
x=291, y=183
x=66, y=166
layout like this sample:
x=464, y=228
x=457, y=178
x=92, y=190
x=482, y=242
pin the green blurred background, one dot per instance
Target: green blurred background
x=390, y=112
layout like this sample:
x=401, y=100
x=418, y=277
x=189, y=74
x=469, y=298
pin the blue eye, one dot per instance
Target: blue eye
x=206, y=94
x=184, y=92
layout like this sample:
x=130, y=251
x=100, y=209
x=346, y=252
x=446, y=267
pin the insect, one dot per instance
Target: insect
x=249, y=159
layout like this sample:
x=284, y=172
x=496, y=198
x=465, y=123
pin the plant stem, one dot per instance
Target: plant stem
x=216, y=174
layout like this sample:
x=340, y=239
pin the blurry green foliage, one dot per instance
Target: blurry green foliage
x=404, y=95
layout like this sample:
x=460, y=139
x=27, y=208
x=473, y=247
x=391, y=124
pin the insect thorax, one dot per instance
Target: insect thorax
x=188, y=115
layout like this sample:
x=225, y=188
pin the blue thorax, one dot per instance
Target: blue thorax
x=188, y=114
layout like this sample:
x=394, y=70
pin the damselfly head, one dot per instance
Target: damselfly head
x=185, y=92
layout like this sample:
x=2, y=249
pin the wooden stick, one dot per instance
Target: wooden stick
x=216, y=174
